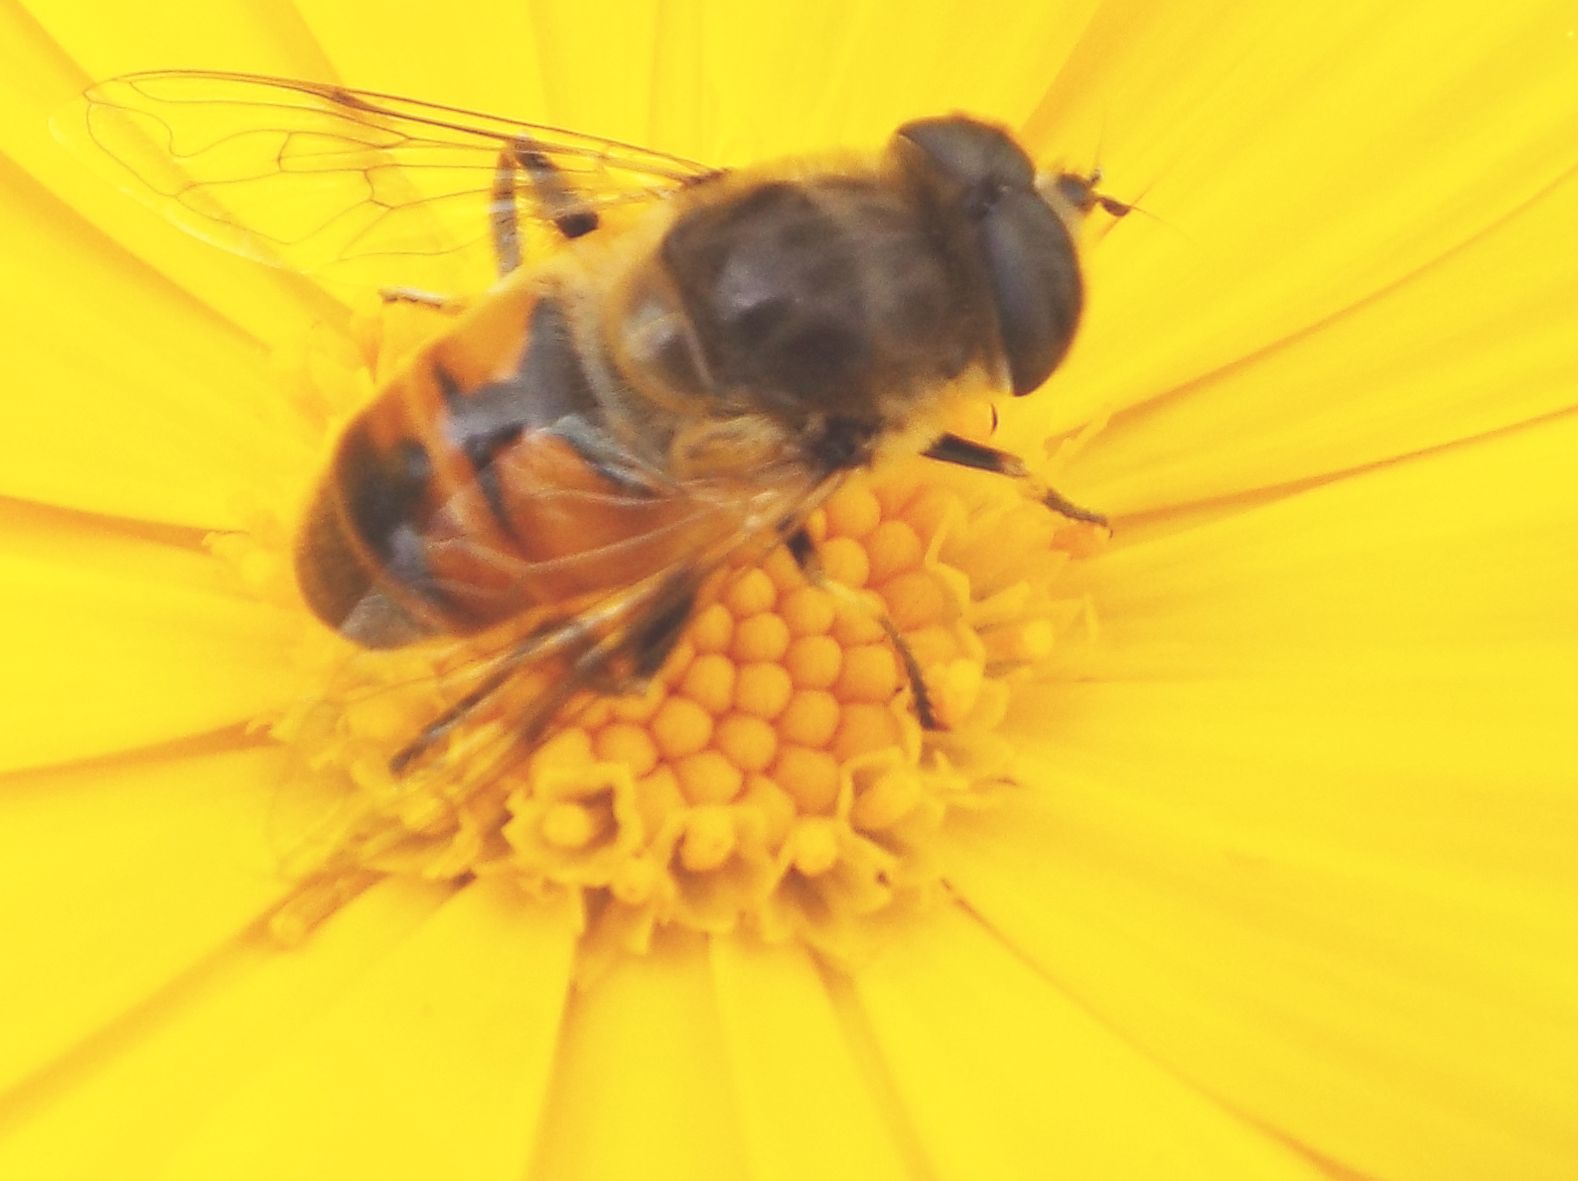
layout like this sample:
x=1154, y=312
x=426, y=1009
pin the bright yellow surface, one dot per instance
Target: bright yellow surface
x=1288, y=889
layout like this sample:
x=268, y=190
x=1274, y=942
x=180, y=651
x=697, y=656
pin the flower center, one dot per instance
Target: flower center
x=773, y=774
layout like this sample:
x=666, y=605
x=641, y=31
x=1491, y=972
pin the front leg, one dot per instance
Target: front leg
x=956, y=449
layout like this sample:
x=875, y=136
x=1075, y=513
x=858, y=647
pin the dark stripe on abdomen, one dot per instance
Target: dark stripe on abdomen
x=369, y=519
x=549, y=391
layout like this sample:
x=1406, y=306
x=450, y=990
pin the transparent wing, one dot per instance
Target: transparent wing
x=456, y=718
x=343, y=184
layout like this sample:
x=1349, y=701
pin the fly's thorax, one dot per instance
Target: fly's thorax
x=650, y=342
x=803, y=300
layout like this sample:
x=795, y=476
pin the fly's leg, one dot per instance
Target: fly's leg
x=964, y=453
x=650, y=639
x=555, y=199
x=803, y=550
x=615, y=652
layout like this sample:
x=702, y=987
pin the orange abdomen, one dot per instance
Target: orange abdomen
x=479, y=485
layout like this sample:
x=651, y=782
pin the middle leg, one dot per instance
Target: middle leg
x=803, y=549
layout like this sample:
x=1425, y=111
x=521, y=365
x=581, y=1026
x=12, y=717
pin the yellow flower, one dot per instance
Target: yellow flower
x=1287, y=890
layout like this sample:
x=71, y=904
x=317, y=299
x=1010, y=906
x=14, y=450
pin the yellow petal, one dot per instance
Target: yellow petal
x=1302, y=162
x=641, y=1085
x=1327, y=797
x=805, y=1107
x=1469, y=344
x=1396, y=134
x=117, y=642
x=732, y=84
x=1003, y=1076
x=477, y=54
x=134, y=343
x=1460, y=563
x=930, y=58
x=433, y=1064
x=1373, y=960
x=220, y=37
x=118, y=877
x=51, y=56
x=165, y=1064
x=125, y=396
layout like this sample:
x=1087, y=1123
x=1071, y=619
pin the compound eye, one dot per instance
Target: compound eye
x=962, y=154
x=1034, y=278
x=977, y=174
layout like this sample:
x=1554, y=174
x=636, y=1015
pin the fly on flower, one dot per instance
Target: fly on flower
x=674, y=365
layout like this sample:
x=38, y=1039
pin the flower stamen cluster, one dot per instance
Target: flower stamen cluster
x=772, y=774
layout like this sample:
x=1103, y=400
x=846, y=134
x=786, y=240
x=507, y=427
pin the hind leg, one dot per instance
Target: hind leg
x=555, y=199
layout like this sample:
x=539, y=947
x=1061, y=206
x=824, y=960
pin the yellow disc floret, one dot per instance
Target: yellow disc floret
x=775, y=774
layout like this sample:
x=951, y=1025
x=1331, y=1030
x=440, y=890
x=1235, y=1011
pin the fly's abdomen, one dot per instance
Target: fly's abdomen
x=360, y=554
x=482, y=484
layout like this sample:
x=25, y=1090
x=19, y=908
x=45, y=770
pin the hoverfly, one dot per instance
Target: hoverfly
x=674, y=363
